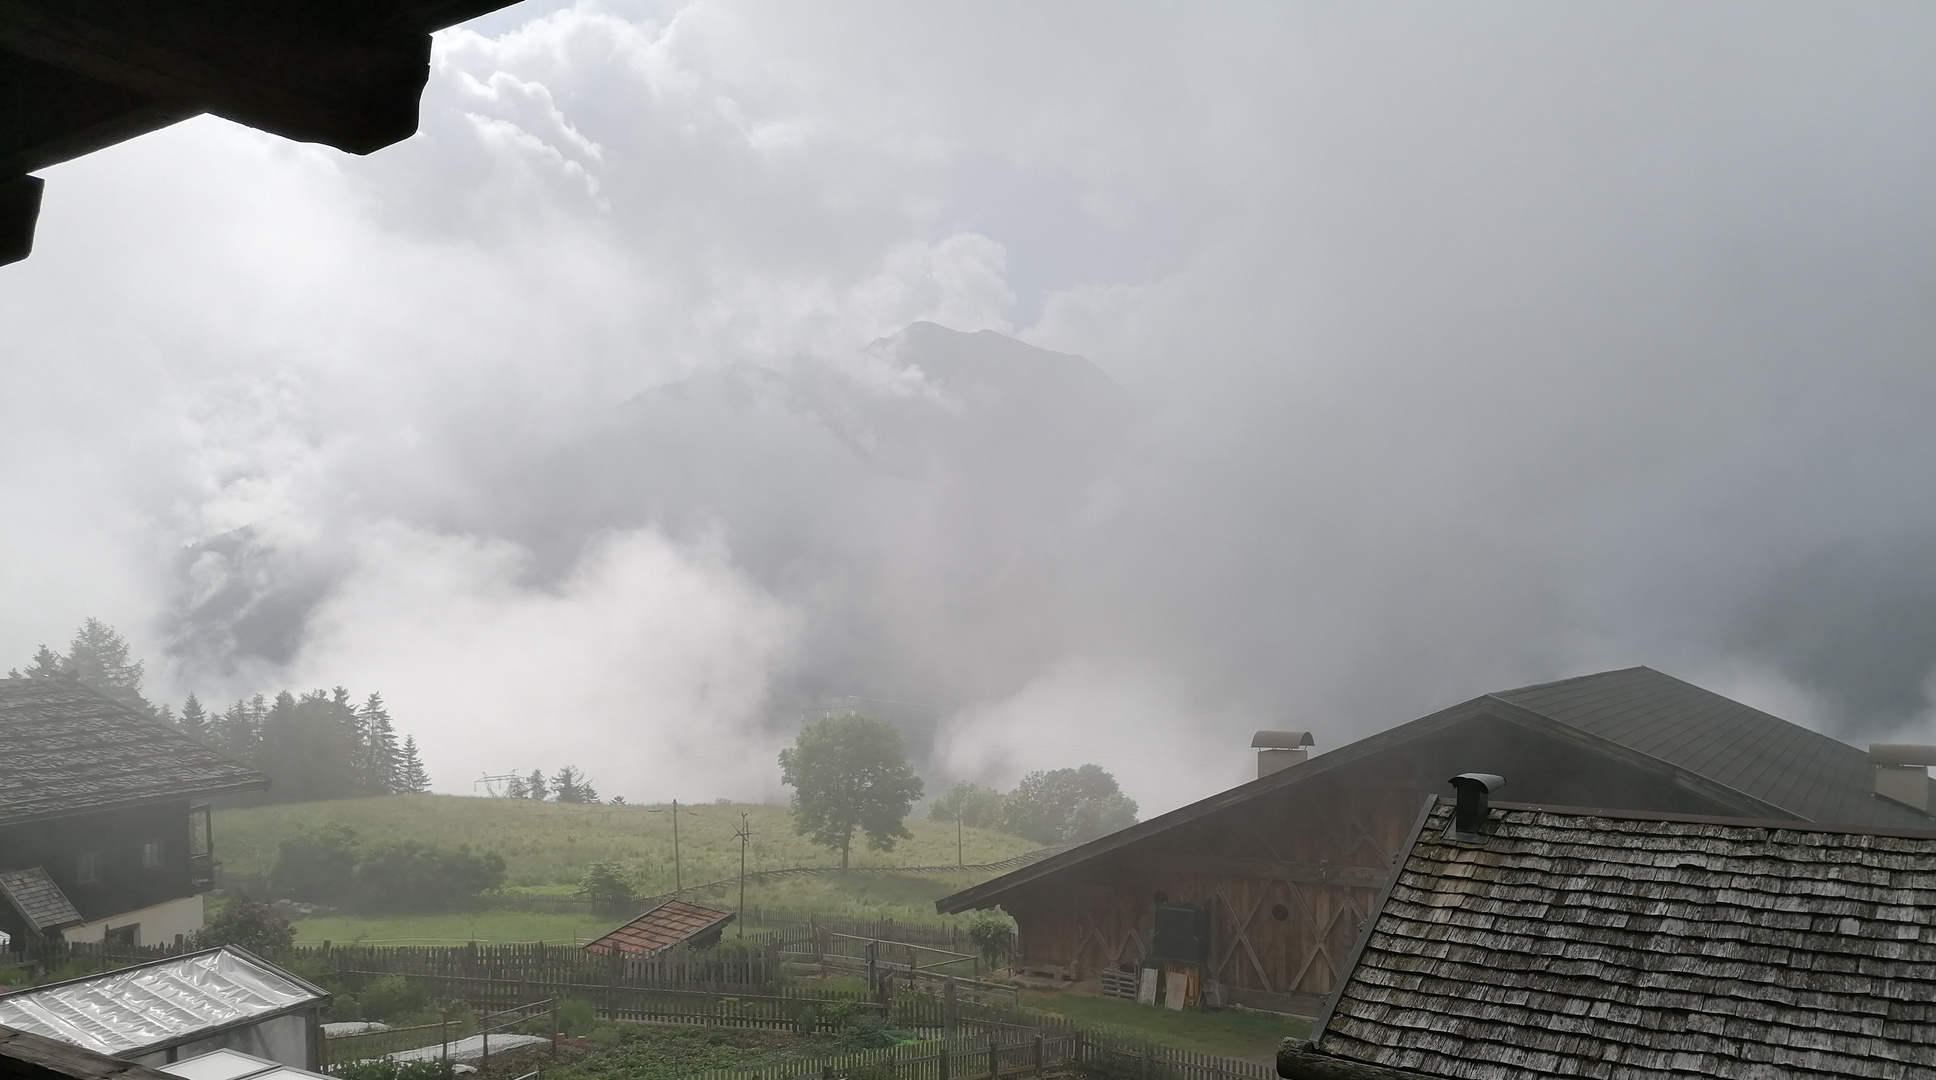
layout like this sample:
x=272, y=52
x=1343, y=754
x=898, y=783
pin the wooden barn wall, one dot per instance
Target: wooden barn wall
x=1287, y=890
x=1289, y=876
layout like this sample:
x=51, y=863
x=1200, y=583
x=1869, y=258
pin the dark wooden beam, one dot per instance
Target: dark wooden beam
x=1298, y=1060
x=19, y=210
x=49, y=114
x=36, y=1057
x=329, y=72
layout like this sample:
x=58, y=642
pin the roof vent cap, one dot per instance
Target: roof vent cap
x=1279, y=750
x=1281, y=740
x=1475, y=803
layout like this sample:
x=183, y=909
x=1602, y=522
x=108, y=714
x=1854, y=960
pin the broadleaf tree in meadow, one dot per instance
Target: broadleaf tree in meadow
x=970, y=804
x=850, y=774
x=1067, y=806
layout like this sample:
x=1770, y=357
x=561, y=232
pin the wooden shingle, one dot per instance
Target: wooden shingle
x=661, y=928
x=65, y=749
x=1612, y=944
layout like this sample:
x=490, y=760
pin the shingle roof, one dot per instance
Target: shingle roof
x=38, y=900
x=65, y=749
x=1610, y=944
x=661, y=928
x=1785, y=764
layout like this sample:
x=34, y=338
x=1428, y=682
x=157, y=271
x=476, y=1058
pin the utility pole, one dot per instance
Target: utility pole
x=678, y=880
x=745, y=833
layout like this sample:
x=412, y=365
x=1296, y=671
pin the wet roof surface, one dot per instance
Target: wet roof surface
x=135, y=1008
x=660, y=929
x=66, y=749
x=38, y=900
x=1801, y=771
x=1576, y=944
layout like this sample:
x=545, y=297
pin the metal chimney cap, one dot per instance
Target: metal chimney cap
x=1901, y=754
x=1488, y=782
x=1281, y=740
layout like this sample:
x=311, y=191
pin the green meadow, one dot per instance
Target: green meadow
x=548, y=846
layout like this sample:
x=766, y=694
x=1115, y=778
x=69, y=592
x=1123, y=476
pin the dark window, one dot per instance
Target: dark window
x=129, y=935
x=1162, y=897
x=1280, y=912
x=201, y=839
x=87, y=868
x=151, y=855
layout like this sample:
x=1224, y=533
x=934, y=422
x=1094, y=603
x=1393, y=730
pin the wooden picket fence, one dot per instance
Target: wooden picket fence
x=961, y=1057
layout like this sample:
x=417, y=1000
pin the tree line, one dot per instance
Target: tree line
x=319, y=745
x=1059, y=806
x=567, y=785
x=851, y=779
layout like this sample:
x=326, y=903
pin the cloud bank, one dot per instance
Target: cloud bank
x=1439, y=351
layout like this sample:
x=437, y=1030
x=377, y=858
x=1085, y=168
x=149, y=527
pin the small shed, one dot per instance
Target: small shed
x=1640, y=946
x=166, y=1010
x=661, y=928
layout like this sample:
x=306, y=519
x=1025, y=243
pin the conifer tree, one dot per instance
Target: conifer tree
x=572, y=786
x=380, y=735
x=411, y=777
x=98, y=656
x=46, y=663
x=194, y=721
x=517, y=788
x=238, y=731
x=535, y=786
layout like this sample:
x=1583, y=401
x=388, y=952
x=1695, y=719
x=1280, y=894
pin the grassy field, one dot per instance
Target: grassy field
x=1248, y=1035
x=547, y=846
x=907, y=898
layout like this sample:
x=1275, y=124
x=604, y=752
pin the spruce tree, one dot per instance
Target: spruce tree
x=238, y=731
x=98, y=656
x=46, y=663
x=517, y=788
x=194, y=721
x=412, y=779
x=536, y=786
x=572, y=786
x=380, y=776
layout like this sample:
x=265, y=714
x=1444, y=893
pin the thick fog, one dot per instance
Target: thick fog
x=1074, y=383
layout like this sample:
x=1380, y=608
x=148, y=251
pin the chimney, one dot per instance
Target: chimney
x=1475, y=802
x=1902, y=774
x=1278, y=750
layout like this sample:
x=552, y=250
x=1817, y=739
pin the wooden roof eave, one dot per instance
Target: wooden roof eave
x=198, y=792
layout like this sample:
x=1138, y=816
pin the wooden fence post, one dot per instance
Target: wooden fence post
x=994, y=1062
x=1035, y=1055
x=1147, y=1055
x=942, y=1068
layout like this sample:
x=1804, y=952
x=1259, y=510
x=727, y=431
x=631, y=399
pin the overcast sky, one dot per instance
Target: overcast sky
x=1472, y=345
